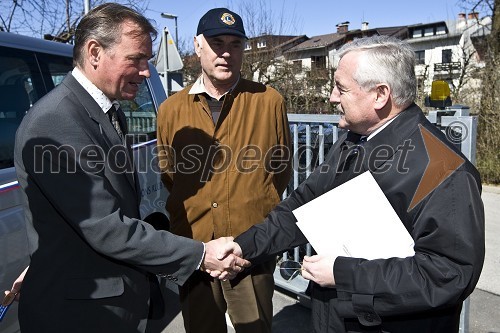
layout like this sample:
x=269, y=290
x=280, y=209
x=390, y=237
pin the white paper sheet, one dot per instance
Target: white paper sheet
x=355, y=219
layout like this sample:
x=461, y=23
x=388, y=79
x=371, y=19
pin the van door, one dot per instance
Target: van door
x=25, y=76
x=141, y=121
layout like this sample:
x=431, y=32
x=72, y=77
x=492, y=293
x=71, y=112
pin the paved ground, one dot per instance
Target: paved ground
x=484, y=313
x=490, y=276
x=292, y=317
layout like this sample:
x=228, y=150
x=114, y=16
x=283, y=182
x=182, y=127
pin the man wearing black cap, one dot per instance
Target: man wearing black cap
x=224, y=154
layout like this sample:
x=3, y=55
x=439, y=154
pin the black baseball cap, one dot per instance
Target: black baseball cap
x=221, y=21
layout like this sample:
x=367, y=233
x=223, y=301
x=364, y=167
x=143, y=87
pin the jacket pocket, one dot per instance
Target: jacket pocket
x=94, y=288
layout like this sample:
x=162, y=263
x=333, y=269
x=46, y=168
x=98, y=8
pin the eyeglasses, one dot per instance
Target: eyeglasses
x=290, y=269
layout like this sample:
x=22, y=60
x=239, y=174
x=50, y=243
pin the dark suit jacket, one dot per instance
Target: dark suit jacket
x=423, y=293
x=92, y=259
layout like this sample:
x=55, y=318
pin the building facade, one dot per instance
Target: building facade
x=302, y=67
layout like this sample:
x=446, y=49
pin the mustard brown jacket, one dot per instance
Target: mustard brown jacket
x=223, y=178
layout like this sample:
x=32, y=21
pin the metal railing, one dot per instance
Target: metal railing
x=141, y=122
x=314, y=134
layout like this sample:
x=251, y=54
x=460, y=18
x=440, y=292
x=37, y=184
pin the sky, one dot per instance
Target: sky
x=309, y=17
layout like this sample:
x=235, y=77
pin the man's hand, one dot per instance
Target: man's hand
x=223, y=258
x=16, y=286
x=319, y=269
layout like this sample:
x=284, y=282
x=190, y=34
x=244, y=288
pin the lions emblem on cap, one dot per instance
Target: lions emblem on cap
x=227, y=19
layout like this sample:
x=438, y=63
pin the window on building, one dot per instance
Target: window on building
x=429, y=31
x=261, y=44
x=297, y=66
x=318, y=62
x=446, y=56
x=440, y=30
x=420, y=57
x=420, y=84
x=417, y=33
x=248, y=46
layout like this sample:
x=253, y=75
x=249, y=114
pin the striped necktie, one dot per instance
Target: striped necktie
x=113, y=117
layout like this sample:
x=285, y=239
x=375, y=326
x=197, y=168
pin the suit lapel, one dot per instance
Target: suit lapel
x=107, y=131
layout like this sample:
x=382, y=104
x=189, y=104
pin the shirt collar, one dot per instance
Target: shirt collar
x=199, y=87
x=102, y=100
x=378, y=130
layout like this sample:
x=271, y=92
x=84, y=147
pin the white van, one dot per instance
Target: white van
x=29, y=68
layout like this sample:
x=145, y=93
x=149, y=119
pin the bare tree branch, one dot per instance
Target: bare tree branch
x=47, y=17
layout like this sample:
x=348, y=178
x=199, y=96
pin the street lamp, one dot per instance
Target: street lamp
x=172, y=16
x=86, y=5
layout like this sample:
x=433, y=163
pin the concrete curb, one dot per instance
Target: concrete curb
x=491, y=189
x=490, y=275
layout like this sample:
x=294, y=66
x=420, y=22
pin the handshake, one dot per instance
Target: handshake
x=223, y=259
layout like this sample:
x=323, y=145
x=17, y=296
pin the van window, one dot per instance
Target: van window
x=18, y=70
x=25, y=76
x=141, y=115
x=16, y=97
x=54, y=69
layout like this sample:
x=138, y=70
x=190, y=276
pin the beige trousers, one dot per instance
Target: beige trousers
x=247, y=299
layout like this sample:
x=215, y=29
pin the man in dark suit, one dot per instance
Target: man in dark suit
x=93, y=262
x=433, y=188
